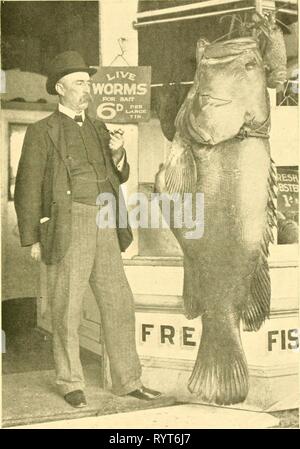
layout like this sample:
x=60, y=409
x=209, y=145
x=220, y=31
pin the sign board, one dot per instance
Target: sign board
x=121, y=94
x=172, y=336
x=287, y=204
x=168, y=343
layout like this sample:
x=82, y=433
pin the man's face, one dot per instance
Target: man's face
x=74, y=90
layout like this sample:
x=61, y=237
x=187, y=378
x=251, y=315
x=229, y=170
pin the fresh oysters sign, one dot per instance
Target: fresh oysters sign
x=121, y=94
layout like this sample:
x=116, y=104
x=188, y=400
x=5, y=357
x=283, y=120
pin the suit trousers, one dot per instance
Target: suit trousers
x=94, y=258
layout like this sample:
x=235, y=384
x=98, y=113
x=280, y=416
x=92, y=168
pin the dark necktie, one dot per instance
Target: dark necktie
x=78, y=118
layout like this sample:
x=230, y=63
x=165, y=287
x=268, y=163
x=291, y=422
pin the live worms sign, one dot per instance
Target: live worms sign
x=121, y=94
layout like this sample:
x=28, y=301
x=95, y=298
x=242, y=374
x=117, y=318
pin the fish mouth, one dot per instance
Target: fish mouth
x=220, y=59
x=207, y=100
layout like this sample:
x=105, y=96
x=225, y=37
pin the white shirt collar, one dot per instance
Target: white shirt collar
x=69, y=112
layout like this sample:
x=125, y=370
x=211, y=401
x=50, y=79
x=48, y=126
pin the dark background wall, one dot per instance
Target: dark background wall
x=33, y=32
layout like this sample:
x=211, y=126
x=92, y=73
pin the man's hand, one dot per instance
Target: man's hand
x=116, y=144
x=36, y=251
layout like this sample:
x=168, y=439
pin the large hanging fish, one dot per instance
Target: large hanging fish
x=221, y=148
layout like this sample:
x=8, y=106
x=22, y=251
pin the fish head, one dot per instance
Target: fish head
x=230, y=83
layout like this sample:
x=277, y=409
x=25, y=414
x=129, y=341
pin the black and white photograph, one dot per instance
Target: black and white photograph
x=150, y=216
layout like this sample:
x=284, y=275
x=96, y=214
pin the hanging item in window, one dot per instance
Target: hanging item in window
x=287, y=205
x=221, y=149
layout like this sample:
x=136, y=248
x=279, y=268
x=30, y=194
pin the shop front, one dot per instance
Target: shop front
x=164, y=39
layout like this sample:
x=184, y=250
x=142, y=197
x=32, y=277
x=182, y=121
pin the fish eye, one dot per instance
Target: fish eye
x=250, y=65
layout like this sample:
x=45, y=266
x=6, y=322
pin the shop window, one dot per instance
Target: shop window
x=32, y=33
x=153, y=149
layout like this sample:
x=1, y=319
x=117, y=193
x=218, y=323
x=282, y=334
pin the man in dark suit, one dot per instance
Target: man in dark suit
x=67, y=161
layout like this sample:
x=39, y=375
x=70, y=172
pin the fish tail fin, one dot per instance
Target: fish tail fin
x=220, y=374
x=258, y=306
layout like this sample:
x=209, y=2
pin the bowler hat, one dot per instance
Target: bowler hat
x=63, y=64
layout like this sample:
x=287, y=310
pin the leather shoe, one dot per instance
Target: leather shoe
x=76, y=399
x=145, y=394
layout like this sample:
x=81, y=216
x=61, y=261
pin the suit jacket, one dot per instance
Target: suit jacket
x=43, y=188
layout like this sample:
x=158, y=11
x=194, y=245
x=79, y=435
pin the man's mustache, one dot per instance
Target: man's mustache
x=87, y=97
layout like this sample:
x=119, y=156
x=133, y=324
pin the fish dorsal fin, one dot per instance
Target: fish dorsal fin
x=181, y=171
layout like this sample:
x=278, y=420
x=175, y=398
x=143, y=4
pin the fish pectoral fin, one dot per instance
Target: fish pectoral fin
x=181, y=173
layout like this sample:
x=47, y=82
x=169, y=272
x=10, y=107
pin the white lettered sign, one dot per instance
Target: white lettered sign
x=121, y=94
